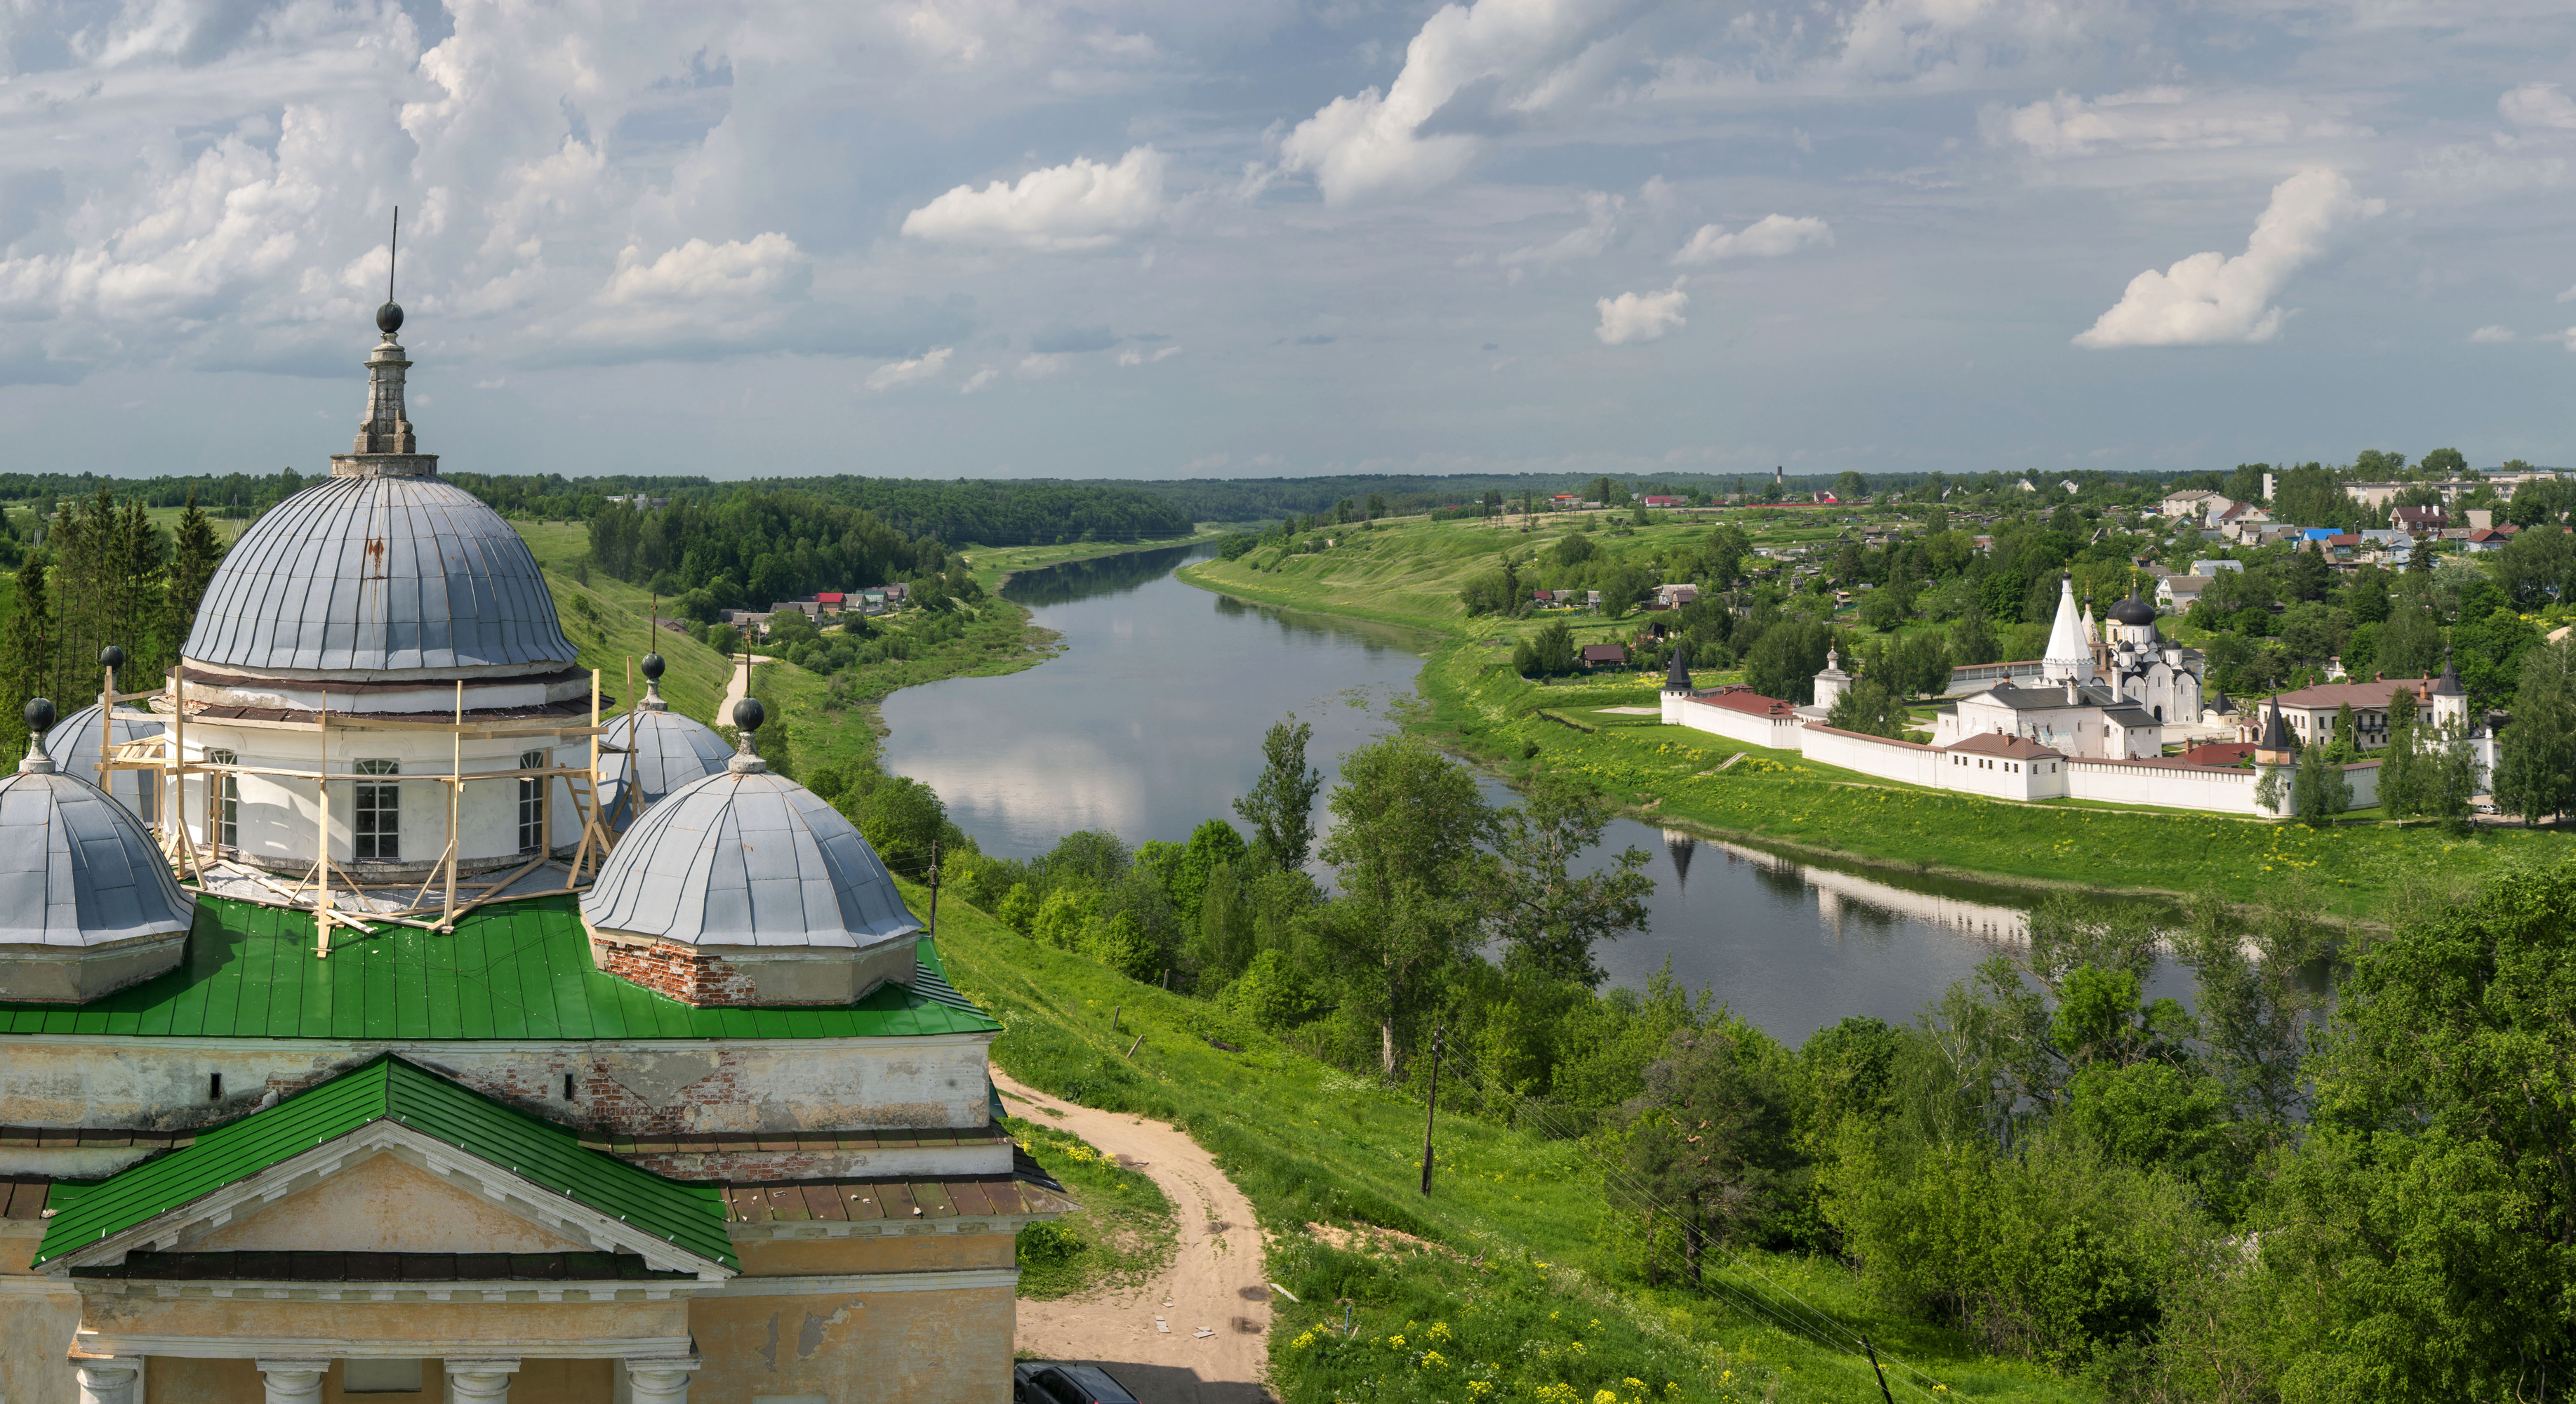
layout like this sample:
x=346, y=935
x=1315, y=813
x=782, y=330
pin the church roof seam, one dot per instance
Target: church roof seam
x=521, y=972
x=387, y=1088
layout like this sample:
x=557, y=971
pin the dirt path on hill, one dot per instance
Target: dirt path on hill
x=1148, y=1337
x=733, y=691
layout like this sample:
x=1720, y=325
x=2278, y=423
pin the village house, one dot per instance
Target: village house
x=581, y=1053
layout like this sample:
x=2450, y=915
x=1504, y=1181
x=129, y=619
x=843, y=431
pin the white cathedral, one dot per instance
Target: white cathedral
x=2093, y=696
x=396, y=1022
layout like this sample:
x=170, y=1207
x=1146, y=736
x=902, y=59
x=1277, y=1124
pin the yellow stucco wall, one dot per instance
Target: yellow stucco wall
x=951, y=1347
x=434, y=1324
x=35, y=1334
x=827, y=1256
x=169, y=1381
x=383, y=1205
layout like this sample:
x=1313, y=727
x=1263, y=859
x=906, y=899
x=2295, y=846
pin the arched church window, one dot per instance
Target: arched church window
x=532, y=803
x=223, y=804
x=376, y=830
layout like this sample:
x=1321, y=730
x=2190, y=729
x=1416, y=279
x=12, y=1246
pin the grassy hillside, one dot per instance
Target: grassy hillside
x=1503, y=1273
x=1404, y=571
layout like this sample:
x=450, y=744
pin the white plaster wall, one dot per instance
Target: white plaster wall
x=1776, y=733
x=2227, y=791
x=632, y=1086
x=277, y=814
x=2002, y=777
x=1872, y=755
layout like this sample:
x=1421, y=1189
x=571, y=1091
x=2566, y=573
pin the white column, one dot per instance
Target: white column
x=479, y=1381
x=107, y=1380
x=660, y=1381
x=294, y=1381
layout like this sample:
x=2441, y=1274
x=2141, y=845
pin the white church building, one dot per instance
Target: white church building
x=2090, y=724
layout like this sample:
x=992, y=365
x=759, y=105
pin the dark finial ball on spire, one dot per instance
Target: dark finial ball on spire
x=39, y=714
x=389, y=317
x=748, y=714
x=651, y=667
x=111, y=657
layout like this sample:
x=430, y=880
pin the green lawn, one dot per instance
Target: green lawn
x=1512, y=1264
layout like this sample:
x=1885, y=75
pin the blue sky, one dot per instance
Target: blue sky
x=1259, y=237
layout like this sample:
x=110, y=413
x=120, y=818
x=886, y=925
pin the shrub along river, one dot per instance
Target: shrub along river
x=1151, y=720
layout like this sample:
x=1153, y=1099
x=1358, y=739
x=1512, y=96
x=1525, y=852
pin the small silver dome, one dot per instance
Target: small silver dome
x=747, y=858
x=379, y=574
x=73, y=743
x=87, y=905
x=670, y=750
x=744, y=887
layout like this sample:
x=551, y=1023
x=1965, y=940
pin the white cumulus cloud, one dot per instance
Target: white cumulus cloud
x=2149, y=119
x=1043, y=364
x=2210, y=298
x=1079, y=205
x=1632, y=317
x=979, y=380
x=912, y=372
x=1147, y=358
x=1601, y=220
x=2538, y=105
x=2492, y=334
x=1767, y=237
x=1521, y=55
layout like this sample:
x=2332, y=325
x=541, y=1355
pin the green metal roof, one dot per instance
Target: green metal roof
x=519, y=971
x=688, y=1216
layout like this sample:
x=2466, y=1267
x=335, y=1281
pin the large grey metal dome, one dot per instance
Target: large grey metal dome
x=78, y=869
x=745, y=857
x=73, y=743
x=379, y=574
x=670, y=750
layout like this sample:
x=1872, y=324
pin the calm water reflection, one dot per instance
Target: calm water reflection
x=1152, y=720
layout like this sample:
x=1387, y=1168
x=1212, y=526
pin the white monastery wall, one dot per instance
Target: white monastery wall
x=1779, y=733
x=1873, y=755
x=2002, y=777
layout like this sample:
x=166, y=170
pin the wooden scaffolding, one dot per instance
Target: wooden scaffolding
x=437, y=901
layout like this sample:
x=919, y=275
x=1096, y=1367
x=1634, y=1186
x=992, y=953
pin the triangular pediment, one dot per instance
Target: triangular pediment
x=387, y=1200
x=389, y=1158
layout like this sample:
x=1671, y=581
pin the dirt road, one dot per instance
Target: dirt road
x=1149, y=1337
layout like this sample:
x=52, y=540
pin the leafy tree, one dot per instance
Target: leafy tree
x=1546, y=916
x=2535, y=773
x=2416, y=1246
x=901, y=818
x=1551, y=649
x=1850, y=486
x=2366, y=594
x=2489, y=651
x=1709, y=1139
x=2410, y=643
x=2535, y=567
x=1573, y=549
x=1972, y=639
x=1785, y=661
x=1281, y=805
x=1406, y=822
x=2257, y=1009
x=2443, y=463
x=1871, y=708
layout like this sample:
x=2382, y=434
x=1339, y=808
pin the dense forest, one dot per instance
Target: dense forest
x=751, y=547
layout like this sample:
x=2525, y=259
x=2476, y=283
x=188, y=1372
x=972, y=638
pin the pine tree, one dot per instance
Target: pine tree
x=26, y=657
x=192, y=566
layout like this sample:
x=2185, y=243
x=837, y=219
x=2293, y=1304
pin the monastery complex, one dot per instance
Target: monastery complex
x=392, y=1024
x=2090, y=721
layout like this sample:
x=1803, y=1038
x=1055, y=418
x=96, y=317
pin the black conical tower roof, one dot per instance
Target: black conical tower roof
x=2276, y=737
x=2448, y=685
x=1677, y=678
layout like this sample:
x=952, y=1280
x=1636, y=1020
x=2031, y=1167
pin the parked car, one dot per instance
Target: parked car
x=1052, y=1382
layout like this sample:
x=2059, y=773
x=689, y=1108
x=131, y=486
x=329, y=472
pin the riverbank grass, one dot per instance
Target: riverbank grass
x=1503, y=1272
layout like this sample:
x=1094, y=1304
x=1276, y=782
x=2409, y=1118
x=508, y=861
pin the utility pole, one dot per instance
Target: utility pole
x=934, y=887
x=1431, y=1110
x=1875, y=1370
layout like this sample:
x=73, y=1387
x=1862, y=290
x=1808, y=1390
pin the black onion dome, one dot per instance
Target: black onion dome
x=2133, y=611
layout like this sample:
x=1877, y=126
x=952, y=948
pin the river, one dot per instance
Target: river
x=1152, y=718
